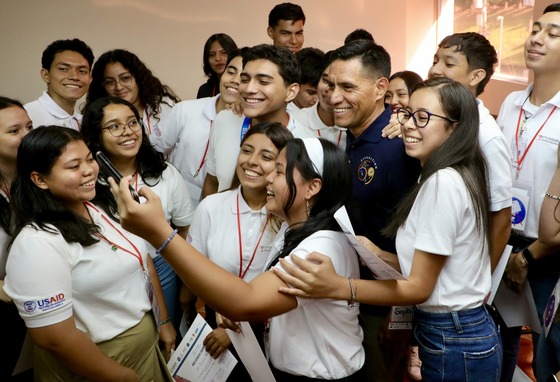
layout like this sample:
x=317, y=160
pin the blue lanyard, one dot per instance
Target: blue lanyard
x=246, y=126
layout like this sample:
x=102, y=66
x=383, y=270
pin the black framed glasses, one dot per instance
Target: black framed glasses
x=117, y=129
x=420, y=118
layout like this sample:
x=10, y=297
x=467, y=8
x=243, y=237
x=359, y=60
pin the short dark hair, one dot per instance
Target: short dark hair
x=225, y=41
x=411, y=79
x=281, y=57
x=285, y=11
x=74, y=45
x=373, y=57
x=554, y=7
x=478, y=51
x=358, y=34
x=311, y=64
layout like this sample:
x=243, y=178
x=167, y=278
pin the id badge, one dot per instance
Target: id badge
x=519, y=207
x=401, y=317
x=153, y=299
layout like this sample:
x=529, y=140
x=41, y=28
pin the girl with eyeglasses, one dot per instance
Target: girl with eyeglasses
x=112, y=125
x=81, y=282
x=442, y=240
x=120, y=73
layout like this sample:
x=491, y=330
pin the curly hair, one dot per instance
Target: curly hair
x=150, y=89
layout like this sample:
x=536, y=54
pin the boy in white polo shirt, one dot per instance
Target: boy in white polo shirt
x=66, y=69
x=269, y=81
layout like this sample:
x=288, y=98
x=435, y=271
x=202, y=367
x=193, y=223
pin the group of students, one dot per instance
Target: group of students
x=238, y=190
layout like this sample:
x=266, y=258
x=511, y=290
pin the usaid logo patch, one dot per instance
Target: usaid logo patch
x=46, y=304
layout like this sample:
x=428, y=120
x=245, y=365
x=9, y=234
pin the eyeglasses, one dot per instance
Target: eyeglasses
x=419, y=117
x=111, y=83
x=117, y=129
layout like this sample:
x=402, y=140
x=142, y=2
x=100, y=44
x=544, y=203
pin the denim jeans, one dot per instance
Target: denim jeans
x=458, y=346
x=168, y=279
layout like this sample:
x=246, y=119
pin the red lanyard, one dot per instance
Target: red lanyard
x=115, y=246
x=339, y=136
x=136, y=181
x=205, y=152
x=77, y=123
x=522, y=158
x=241, y=272
x=6, y=191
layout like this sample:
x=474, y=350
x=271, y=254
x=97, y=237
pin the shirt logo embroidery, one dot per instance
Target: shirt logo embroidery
x=366, y=170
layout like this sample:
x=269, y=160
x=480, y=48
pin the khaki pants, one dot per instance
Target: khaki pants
x=136, y=348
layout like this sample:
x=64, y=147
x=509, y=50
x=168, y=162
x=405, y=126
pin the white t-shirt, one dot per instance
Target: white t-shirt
x=184, y=136
x=320, y=338
x=50, y=280
x=214, y=232
x=497, y=154
x=309, y=117
x=44, y=111
x=174, y=195
x=540, y=161
x=225, y=138
x=442, y=222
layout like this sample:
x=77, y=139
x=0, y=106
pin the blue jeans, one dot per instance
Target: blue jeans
x=168, y=279
x=458, y=346
x=548, y=353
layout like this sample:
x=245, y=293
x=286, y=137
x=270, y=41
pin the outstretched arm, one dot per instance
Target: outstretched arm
x=316, y=278
x=223, y=291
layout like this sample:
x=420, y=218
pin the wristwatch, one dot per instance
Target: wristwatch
x=528, y=256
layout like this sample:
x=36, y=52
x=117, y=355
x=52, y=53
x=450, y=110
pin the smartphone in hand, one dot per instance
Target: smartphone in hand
x=109, y=170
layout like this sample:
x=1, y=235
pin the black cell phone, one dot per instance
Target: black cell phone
x=109, y=170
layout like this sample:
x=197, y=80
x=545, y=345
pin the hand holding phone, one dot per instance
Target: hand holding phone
x=109, y=170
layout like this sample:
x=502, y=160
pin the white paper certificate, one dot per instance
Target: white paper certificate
x=192, y=363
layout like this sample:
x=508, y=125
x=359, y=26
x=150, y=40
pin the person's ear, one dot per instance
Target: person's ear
x=45, y=76
x=292, y=92
x=382, y=84
x=270, y=32
x=39, y=180
x=314, y=187
x=476, y=76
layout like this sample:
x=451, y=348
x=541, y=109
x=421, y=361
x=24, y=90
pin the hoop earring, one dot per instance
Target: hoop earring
x=307, y=207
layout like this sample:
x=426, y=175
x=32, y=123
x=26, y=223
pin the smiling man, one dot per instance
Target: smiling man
x=285, y=26
x=66, y=69
x=356, y=79
x=269, y=81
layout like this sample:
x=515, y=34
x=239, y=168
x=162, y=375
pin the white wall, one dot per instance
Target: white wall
x=168, y=35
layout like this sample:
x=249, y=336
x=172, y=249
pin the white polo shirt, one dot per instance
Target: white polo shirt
x=309, y=117
x=104, y=289
x=225, y=139
x=496, y=151
x=215, y=232
x=44, y=111
x=540, y=161
x=184, y=136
